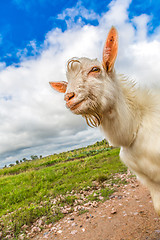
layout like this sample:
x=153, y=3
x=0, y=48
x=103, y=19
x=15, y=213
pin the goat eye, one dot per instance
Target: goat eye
x=95, y=69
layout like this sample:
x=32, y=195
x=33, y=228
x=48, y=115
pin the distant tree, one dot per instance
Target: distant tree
x=11, y=165
x=24, y=159
x=33, y=157
x=97, y=143
x=40, y=156
x=21, y=161
x=104, y=141
x=17, y=162
x=5, y=166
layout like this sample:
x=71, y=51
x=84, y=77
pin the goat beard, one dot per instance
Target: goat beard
x=93, y=114
x=93, y=117
x=93, y=120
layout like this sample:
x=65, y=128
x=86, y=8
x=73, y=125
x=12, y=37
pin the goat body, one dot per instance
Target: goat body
x=129, y=116
x=135, y=126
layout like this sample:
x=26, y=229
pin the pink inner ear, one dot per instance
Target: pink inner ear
x=59, y=86
x=110, y=49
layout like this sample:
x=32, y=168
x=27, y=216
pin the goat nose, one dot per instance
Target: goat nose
x=69, y=96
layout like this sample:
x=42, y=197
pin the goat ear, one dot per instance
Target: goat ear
x=110, y=50
x=59, y=86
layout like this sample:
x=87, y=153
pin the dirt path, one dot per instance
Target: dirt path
x=128, y=215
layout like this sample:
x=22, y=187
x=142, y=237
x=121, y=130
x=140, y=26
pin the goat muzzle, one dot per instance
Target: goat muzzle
x=69, y=96
x=69, y=99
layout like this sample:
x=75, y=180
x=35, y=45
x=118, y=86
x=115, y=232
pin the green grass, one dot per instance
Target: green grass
x=29, y=189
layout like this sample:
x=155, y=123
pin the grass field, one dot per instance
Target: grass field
x=28, y=190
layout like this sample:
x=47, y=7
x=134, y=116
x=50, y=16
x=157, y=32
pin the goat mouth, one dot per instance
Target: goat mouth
x=74, y=106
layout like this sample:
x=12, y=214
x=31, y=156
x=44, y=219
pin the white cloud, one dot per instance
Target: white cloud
x=141, y=25
x=118, y=13
x=76, y=15
x=33, y=118
x=2, y=65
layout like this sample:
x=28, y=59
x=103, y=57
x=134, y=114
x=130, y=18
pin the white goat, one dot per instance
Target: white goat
x=129, y=116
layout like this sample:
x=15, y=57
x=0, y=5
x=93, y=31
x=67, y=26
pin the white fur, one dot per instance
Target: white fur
x=130, y=118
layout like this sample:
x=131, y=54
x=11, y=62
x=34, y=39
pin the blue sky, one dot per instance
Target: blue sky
x=37, y=37
x=23, y=21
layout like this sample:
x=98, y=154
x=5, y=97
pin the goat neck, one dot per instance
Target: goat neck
x=121, y=121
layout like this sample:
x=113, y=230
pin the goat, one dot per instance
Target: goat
x=128, y=115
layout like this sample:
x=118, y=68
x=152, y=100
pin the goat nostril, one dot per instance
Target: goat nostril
x=69, y=96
